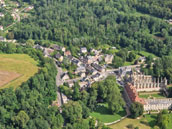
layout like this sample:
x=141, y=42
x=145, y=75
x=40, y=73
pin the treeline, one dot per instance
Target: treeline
x=29, y=106
x=158, y=8
x=91, y=23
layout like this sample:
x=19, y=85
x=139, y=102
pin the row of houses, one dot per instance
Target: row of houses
x=87, y=66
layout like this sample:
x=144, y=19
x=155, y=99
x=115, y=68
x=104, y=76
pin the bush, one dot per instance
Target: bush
x=130, y=126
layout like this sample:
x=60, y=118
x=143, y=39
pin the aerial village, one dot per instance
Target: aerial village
x=88, y=68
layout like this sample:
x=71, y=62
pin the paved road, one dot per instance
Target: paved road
x=58, y=83
x=58, y=77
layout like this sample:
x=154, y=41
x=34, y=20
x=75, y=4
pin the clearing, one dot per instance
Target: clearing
x=16, y=69
x=103, y=114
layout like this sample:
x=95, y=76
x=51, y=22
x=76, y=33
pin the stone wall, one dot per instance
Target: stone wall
x=158, y=104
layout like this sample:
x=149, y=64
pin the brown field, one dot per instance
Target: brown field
x=6, y=77
x=16, y=69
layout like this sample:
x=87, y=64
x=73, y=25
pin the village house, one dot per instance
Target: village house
x=76, y=62
x=48, y=51
x=71, y=84
x=1, y=15
x=37, y=46
x=80, y=69
x=15, y=10
x=83, y=50
x=98, y=67
x=1, y=28
x=91, y=59
x=2, y=38
x=56, y=47
x=108, y=59
x=63, y=49
x=59, y=57
x=96, y=77
x=83, y=85
x=2, y=3
x=64, y=99
x=96, y=52
x=82, y=74
x=67, y=53
x=14, y=16
x=65, y=76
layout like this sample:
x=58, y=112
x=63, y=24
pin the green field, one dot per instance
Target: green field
x=20, y=64
x=149, y=122
x=103, y=114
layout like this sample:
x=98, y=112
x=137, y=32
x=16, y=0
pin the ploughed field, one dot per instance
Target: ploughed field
x=16, y=69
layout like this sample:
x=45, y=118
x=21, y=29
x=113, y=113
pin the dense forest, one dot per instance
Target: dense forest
x=91, y=23
x=27, y=106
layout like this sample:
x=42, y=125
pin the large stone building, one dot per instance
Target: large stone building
x=139, y=83
x=147, y=83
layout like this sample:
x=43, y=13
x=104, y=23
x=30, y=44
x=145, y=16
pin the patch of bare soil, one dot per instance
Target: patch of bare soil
x=6, y=77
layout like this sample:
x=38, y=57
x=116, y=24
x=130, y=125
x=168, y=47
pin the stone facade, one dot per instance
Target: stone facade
x=158, y=104
x=147, y=83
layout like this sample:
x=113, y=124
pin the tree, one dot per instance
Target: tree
x=30, y=43
x=76, y=93
x=163, y=119
x=136, y=109
x=114, y=100
x=81, y=124
x=72, y=111
x=10, y=35
x=21, y=119
x=92, y=122
x=117, y=62
x=131, y=56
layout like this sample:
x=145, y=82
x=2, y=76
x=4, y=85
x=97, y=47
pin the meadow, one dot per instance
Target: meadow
x=16, y=69
x=103, y=114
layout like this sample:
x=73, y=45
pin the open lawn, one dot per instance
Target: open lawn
x=147, y=122
x=103, y=114
x=151, y=95
x=16, y=69
x=127, y=121
x=146, y=54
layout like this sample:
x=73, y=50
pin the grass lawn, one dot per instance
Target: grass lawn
x=131, y=63
x=124, y=123
x=19, y=64
x=103, y=114
x=149, y=122
x=151, y=95
x=146, y=54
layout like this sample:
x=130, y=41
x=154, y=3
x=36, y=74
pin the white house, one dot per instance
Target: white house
x=83, y=50
x=1, y=28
